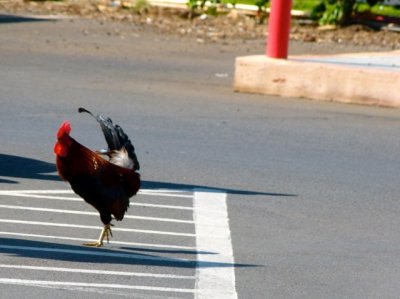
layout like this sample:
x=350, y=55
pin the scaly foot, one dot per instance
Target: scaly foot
x=105, y=233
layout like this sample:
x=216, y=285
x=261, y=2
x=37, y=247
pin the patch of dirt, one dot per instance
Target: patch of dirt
x=204, y=28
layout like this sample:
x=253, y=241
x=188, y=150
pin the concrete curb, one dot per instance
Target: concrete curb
x=360, y=78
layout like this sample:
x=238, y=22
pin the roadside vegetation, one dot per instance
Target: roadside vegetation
x=230, y=26
x=324, y=12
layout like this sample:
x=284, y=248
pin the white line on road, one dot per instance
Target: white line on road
x=47, y=283
x=92, y=213
x=161, y=192
x=166, y=193
x=213, y=234
x=61, y=191
x=165, y=246
x=215, y=275
x=29, y=195
x=69, y=191
x=142, y=231
x=161, y=206
x=99, y=272
x=41, y=196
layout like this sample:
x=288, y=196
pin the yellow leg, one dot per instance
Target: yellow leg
x=105, y=233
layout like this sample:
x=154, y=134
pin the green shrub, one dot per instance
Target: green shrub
x=337, y=12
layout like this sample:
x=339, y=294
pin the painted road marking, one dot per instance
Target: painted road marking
x=40, y=196
x=161, y=192
x=47, y=283
x=215, y=277
x=169, y=246
x=165, y=193
x=161, y=206
x=213, y=234
x=133, y=230
x=98, y=272
x=92, y=213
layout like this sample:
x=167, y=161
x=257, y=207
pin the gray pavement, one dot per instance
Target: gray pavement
x=311, y=188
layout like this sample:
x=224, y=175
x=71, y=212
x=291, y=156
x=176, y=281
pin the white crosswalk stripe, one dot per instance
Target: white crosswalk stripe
x=206, y=255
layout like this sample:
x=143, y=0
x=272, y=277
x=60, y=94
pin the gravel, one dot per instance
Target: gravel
x=225, y=27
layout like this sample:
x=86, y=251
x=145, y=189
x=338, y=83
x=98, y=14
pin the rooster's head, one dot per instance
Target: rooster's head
x=63, y=139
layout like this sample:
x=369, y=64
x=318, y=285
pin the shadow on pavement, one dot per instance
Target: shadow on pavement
x=27, y=168
x=189, y=187
x=6, y=18
x=75, y=253
x=174, y=251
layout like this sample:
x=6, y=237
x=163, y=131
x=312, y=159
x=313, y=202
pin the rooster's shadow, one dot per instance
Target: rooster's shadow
x=41, y=250
x=13, y=167
x=190, y=187
x=12, y=18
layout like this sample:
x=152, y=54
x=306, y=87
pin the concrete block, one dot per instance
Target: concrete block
x=371, y=79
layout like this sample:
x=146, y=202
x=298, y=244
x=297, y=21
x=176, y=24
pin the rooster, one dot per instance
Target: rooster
x=105, y=184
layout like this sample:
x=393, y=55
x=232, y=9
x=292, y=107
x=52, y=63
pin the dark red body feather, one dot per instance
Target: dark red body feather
x=105, y=186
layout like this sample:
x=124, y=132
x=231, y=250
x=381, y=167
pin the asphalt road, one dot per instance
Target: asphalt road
x=303, y=195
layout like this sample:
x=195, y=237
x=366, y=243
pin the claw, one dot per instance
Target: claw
x=94, y=244
x=105, y=233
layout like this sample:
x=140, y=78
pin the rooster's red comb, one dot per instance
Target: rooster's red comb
x=64, y=129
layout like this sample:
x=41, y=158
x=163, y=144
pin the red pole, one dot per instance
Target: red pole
x=279, y=28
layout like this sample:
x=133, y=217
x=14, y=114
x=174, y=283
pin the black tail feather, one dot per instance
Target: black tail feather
x=115, y=136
